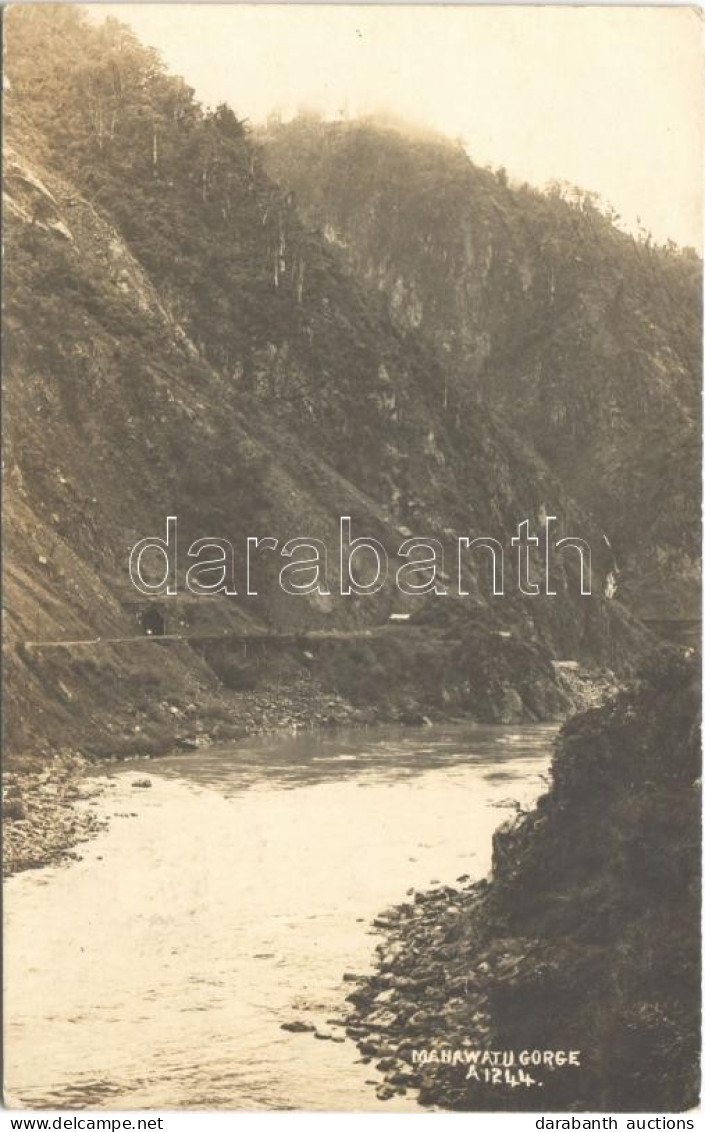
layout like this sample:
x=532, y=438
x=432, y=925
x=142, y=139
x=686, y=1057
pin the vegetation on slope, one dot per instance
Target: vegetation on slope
x=586, y=938
x=585, y=339
x=179, y=342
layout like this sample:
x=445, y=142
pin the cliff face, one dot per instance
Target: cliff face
x=180, y=343
x=586, y=939
x=619, y=913
x=585, y=340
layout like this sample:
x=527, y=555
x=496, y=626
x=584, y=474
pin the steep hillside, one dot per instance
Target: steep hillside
x=584, y=339
x=586, y=939
x=179, y=342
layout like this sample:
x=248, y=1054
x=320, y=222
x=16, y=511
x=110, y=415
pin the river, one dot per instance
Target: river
x=230, y=897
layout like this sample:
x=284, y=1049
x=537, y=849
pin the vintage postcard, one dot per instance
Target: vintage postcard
x=352, y=491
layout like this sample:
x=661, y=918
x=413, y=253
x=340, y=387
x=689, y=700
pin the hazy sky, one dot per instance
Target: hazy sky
x=610, y=99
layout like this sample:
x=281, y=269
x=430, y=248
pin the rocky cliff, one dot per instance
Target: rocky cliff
x=586, y=941
x=584, y=339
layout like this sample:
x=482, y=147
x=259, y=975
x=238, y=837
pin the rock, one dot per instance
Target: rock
x=298, y=1027
x=385, y=1064
x=419, y=1020
x=142, y=783
x=381, y=1019
x=385, y=996
x=389, y=954
x=404, y=983
x=385, y=1092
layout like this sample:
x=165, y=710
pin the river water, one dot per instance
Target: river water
x=230, y=897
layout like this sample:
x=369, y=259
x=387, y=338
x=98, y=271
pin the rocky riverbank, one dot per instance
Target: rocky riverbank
x=47, y=801
x=571, y=980
x=47, y=811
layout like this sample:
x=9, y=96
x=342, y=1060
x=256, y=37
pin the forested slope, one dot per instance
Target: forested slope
x=180, y=342
x=586, y=340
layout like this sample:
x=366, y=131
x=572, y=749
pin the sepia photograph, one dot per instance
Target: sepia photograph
x=352, y=375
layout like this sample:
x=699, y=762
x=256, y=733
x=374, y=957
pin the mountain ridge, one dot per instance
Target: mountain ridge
x=583, y=338
x=179, y=342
